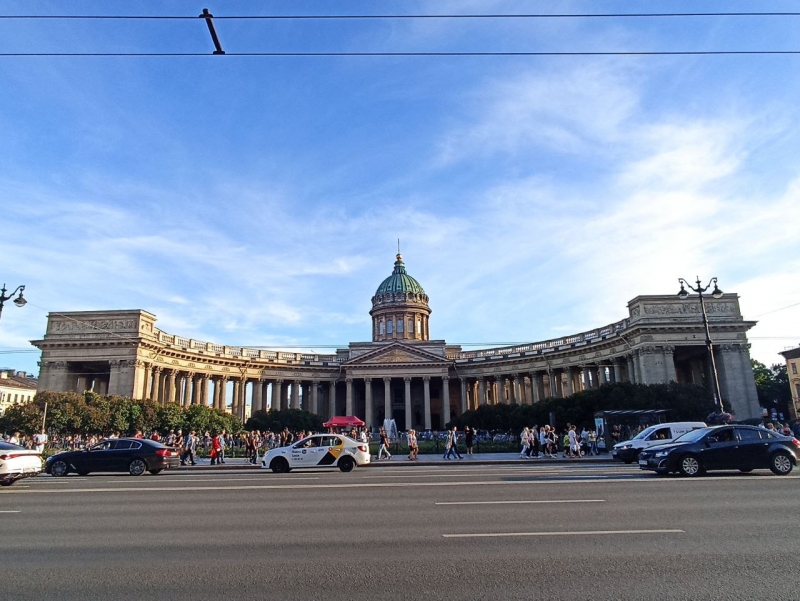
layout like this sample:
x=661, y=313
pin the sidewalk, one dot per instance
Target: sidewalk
x=400, y=460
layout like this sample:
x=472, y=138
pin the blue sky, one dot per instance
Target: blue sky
x=258, y=201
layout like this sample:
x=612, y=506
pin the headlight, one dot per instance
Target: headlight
x=626, y=446
x=661, y=454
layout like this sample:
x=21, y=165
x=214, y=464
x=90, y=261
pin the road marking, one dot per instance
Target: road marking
x=387, y=485
x=520, y=502
x=567, y=533
x=10, y=511
x=520, y=473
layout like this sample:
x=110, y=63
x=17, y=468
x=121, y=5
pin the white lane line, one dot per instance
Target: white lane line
x=10, y=511
x=520, y=502
x=567, y=533
x=389, y=485
x=520, y=473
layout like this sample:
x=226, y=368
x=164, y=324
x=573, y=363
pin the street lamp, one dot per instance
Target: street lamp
x=716, y=293
x=19, y=301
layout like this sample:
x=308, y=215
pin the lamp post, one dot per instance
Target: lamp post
x=716, y=293
x=19, y=301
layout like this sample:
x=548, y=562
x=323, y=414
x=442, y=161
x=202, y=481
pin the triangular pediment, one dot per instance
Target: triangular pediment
x=397, y=354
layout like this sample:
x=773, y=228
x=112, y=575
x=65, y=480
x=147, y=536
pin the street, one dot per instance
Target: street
x=459, y=531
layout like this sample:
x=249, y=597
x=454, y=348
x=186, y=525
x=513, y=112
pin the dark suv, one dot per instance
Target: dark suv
x=730, y=447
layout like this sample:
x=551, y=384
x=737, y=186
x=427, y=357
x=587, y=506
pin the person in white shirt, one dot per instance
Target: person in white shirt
x=14, y=438
x=39, y=440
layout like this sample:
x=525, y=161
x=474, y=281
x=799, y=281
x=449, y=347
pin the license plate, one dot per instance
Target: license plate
x=643, y=462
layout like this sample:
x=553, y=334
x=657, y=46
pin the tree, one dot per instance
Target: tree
x=276, y=420
x=27, y=418
x=772, y=386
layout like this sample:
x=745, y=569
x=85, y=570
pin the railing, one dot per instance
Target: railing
x=547, y=345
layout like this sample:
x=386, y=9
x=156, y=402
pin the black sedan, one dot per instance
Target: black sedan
x=731, y=447
x=133, y=455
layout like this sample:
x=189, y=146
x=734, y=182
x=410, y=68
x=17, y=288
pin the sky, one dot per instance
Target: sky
x=257, y=201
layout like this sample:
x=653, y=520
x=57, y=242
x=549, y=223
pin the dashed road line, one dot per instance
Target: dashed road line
x=564, y=533
x=520, y=502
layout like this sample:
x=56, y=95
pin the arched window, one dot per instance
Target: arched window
x=382, y=329
x=389, y=326
x=410, y=325
x=419, y=326
x=400, y=326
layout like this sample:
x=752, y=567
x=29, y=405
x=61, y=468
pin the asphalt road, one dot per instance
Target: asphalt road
x=525, y=531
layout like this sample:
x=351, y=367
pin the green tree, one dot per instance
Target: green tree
x=170, y=417
x=276, y=420
x=772, y=386
x=27, y=418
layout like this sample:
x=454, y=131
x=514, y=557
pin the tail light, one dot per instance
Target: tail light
x=165, y=453
x=795, y=442
x=363, y=448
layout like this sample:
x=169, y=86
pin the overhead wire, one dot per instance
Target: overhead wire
x=404, y=54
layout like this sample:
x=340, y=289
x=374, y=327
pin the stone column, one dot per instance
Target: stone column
x=407, y=382
x=331, y=398
x=387, y=398
x=368, y=402
x=154, y=385
x=257, y=404
x=296, y=394
x=537, y=386
x=617, y=372
x=630, y=362
x=237, y=394
x=170, y=396
x=570, y=381
x=204, y=390
x=349, y=396
x=481, y=391
x=188, y=398
x=81, y=385
x=518, y=400
x=426, y=387
x=445, y=400
x=314, y=397
x=586, y=377
x=669, y=363
x=277, y=394
x=464, y=405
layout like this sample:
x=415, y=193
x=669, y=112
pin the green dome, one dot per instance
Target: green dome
x=399, y=281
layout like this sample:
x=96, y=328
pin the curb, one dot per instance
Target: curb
x=404, y=462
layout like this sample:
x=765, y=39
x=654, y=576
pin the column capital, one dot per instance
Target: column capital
x=297, y=381
x=279, y=380
x=387, y=379
x=426, y=378
x=348, y=380
x=445, y=378
x=368, y=380
x=406, y=378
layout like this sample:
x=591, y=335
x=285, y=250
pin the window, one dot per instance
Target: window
x=660, y=434
x=411, y=326
x=382, y=329
x=794, y=368
x=331, y=441
x=389, y=326
x=748, y=435
x=419, y=326
x=400, y=326
x=122, y=444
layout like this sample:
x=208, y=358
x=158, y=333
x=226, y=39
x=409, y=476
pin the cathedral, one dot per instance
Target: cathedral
x=401, y=373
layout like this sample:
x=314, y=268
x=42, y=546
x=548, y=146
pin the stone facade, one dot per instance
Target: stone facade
x=419, y=382
x=792, y=357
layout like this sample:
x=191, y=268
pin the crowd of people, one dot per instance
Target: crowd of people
x=547, y=442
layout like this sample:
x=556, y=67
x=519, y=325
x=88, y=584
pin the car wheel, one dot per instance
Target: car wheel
x=690, y=466
x=780, y=464
x=279, y=466
x=346, y=464
x=154, y=472
x=59, y=469
x=137, y=467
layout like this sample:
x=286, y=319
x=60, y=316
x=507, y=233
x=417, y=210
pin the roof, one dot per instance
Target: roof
x=399, y=281
x=343, y=421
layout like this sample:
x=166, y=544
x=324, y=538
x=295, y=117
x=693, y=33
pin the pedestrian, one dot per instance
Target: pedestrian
x=469, y=439
x=534, y=442
x=221, y=447
x=384, y=445
x=179, y=440
x=574, y=442
x=189, y=448
x=413, y=450
x=593, y=443
x=524, y=440
x=39, y=440
x=216, y=450
x=14, y=438
x=452, y=442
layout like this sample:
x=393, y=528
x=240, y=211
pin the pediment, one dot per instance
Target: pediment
x=397, y=354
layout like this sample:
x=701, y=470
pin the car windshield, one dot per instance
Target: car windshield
x=645, y=433
x=693, y=435
x=7, y=446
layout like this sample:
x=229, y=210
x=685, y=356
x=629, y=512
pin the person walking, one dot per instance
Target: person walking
x=413, y=450
x=216, y=449
x=452, y=444
x=221, y=447
x=189, y=448
x=39, y=440
x=469, y=439
x=593, y=443
x=524, y=440
x=384, y=446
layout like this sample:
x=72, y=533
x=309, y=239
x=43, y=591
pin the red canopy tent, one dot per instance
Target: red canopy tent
x=343, y=421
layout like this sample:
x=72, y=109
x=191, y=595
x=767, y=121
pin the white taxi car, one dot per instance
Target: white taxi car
x=318, y=450
x=17, y=462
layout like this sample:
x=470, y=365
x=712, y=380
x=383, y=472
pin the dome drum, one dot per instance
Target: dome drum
x=400, y=308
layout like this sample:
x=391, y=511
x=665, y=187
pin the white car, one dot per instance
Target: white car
x=319, y=450
x=17, y=462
